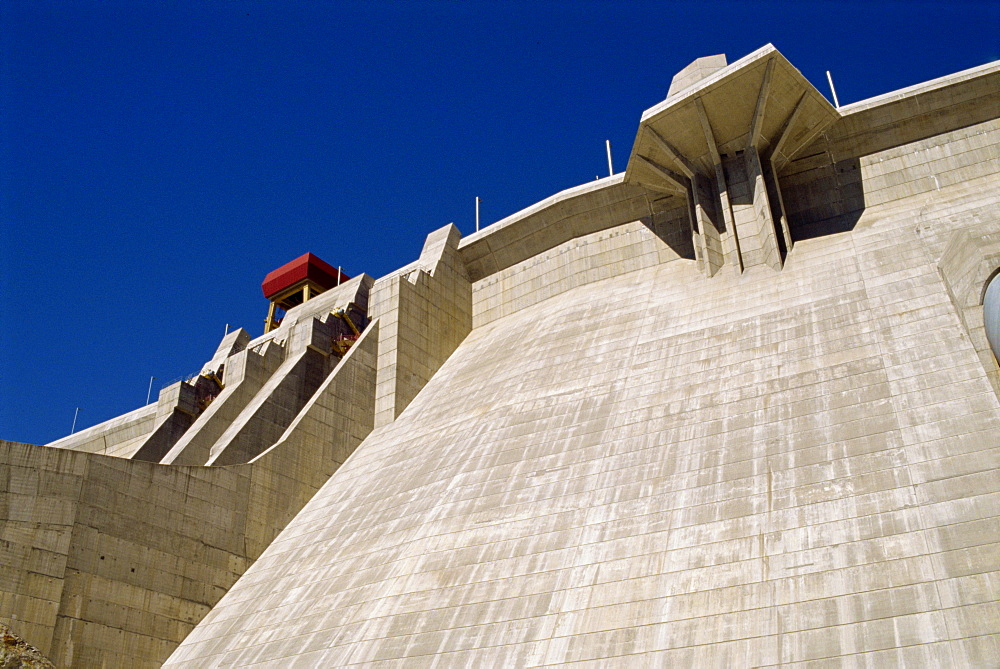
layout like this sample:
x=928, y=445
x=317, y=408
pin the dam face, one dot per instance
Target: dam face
x=659, y=468
x=735, y=406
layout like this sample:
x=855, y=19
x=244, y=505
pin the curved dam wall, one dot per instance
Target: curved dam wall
x=733, y=407
x=647, y=466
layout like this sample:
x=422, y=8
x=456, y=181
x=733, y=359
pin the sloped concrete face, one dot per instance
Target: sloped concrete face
x=660, y=469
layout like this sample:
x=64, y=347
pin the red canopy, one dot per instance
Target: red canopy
x=304, y=267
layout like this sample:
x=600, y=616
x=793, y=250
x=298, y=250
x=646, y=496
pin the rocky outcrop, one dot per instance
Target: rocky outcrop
x=15, y=652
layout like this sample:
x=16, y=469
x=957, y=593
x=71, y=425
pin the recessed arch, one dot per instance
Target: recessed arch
x=991, y=311
x=986, y=284
x=970, y=265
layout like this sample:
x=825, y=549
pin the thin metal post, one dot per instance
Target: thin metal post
x=338, y=274
x=477, y=212
x=149, y=391
x=227, y=330
x=836, y=102
x=73, y=429
x=611, y=170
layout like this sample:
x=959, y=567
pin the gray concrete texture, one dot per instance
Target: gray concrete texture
x=767, y=469
x=627, y=462
x=732, y=407
x=109, y=561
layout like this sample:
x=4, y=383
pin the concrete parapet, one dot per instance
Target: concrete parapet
x=574, y=212
x=119, y=436
x=909, y=115
x=661, y=238
x=894, y=146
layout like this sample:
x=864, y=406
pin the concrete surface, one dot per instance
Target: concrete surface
x=109, y=561
x=732, y=407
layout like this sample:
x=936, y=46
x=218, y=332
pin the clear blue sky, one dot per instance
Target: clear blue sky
x=159, y=158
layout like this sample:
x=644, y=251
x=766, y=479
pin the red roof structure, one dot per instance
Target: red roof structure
x=305, y=267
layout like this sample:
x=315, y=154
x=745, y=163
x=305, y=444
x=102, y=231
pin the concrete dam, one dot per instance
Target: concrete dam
x=734, y=406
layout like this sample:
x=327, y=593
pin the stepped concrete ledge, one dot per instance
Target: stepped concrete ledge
x=271, y=410
x=111, y=562
x=246, y=373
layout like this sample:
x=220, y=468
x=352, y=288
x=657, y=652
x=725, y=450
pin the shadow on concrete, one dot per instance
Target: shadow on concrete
x=672, y=234
x=670, y=223
x=828, y=205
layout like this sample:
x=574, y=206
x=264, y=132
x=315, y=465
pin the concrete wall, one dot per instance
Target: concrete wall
x=181, y=429
x=656, y=239
x=922, y=167
x=588, y=446
x=425, y=312
x=246, y=373
x=628, y=462
x=662, y=469
x=336, y=419
x=274, y=406
x=120, y=436
x=574, y=212
x=895, y=146
x=111, y=562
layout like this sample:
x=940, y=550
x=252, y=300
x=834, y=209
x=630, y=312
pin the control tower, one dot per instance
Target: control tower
x=296, y=282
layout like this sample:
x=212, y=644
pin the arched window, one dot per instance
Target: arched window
x=991, y=314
